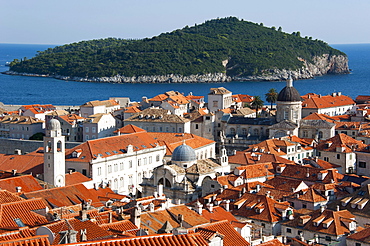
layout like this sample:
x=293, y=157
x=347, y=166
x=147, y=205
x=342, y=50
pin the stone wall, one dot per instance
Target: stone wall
x=8, y=146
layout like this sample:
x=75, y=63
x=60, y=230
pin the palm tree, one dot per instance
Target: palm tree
x=257, y=103
x=271, y=96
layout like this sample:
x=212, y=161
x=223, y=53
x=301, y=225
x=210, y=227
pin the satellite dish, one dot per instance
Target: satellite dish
x=43, y=230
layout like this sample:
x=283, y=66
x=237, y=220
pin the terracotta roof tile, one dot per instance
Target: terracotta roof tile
x=173, y=140
x=75, y=178
x=65, y=196
x=329, y=101
x=231, y=236
x=20, y=213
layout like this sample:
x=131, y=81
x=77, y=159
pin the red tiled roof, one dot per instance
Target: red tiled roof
x=39, y=240
x=231, y=236
x=75, y=178
x=153, y=240
x=173, y=140
x=316, y=116
x=109, y=146
x=342, y=141
x=26, y=182
x=22, y=163
x=317, y=101
x=337, y=227
x=65, y=196
x=22, y=210
x=218, y=213
x=248, y=158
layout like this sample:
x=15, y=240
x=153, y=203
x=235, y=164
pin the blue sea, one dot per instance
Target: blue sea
x=31, y=90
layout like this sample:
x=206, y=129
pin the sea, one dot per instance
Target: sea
x=22, y=90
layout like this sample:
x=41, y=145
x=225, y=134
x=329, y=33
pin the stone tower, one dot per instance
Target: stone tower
x=289, y=103
x=54, y=154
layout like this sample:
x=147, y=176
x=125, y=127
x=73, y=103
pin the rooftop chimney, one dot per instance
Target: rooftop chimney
x=227, y=205
x=210, y=207
x=135, y=216
x=198, y=208
x=18, y=189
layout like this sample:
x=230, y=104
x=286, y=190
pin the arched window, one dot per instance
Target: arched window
x=166, y=183
x=115, y=184
x=320, y=135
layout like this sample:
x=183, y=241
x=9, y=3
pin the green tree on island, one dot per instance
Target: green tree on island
x=271, y=96
x=257, y=103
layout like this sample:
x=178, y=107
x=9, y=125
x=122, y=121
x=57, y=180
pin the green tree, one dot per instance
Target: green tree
x=271, y=96
x=257, y=103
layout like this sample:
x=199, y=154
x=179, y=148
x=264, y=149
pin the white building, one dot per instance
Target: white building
x=120, y=161
x=99, y=125
x=95, y=107
x=219, y=98
x=334, y=104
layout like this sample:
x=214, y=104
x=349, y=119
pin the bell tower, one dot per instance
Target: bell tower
x=54, y=154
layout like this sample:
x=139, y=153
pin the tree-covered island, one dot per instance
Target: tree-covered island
x=228, y=48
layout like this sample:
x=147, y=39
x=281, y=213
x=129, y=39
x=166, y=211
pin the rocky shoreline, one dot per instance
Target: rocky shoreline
x=322, y=65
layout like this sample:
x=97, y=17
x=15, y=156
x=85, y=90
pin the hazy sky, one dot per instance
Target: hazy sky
x=67, y=21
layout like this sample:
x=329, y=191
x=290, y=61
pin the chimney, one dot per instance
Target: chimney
x=160, y=190
x=338, y=209
x=268, y=193
x=14, y=172
x=18, y=189
x=210, y=207
x=135, y=216
x=198, y=208
x=83, y=211
x=151, y=207
x=258, y=188
x=110, y=218
x=227, y=205
x=17, y=152
x=322, y=208
x=83, y=235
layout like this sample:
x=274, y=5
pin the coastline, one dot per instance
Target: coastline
x=172, y=78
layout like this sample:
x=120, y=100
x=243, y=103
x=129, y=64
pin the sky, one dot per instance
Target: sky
x=68, y=21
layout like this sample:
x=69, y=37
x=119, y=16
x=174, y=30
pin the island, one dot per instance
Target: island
x=219, y=50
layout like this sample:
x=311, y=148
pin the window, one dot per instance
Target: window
x=196, y=126
x=115, y=167
x=157, y=158
x=338, y=156
x=362, y=164
x=232, y=131
x=244, y=131
x=139, y=162
x=288, y=230
x=145, y=160
x=93, y=129
x=87, y=129
x=320, y=134
x=84, y=172
x=109, y=168
x=304, y=206
x=215, y=104
x=130, y=164
x=357, y=244
x=150, y=160
x=305, y=134
x=286, y=115
x=328, y=238
x=99, y=171
x=326, y=159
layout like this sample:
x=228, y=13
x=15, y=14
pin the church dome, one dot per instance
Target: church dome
x=289, y=93
x=53, y=125
x=184, y=153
